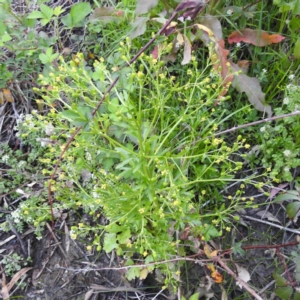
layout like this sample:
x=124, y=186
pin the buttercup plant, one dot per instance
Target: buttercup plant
x=148, y=160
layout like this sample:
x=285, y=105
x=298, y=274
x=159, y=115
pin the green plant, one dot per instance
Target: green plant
x=14, y=263
x=146, y=166
x=281, y=141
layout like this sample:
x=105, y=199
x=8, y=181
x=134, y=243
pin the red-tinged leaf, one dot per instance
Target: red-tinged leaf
x=276, y=190
x=251, y=87
x=144, y=6
x=190, y=8
x=292, y=209
x=218, y=54
x=107, y=15
x=256, y=37
x=154, y=52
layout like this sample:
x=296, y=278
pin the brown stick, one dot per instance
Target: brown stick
x=239, y=280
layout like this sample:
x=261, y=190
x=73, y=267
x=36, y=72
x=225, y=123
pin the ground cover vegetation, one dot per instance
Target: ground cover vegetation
x=146, y=130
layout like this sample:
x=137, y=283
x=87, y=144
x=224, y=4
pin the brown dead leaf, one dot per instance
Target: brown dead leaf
x=16, y=277
x=256, y=37
x=187, y=52
x=7, y=96
x=89, y=294
x=217, y=52
x=215, y=275
x=243, y=274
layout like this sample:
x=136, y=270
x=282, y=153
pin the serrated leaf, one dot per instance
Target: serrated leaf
x=133, y=272
x=237, y=249
x=35, y=15
x=256, y=37
x=251, y=87
x=78, y=12
x=47, y=11
x=284, y=293
x=110, y=242
x=144, y=6
x=124, y=236
x=280, y=281
x=292, y=209
x=58, y=10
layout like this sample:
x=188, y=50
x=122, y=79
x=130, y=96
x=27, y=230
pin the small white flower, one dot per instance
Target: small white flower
x=287, y=153
x=5, y=158
x=229, y=12
x=88, y=156
x=286, y=100
x=21, y=164
x=49, y=129
x=263, y=129
x=291, y=77
x=238, y=45
x=264, y=71
x=286, y=169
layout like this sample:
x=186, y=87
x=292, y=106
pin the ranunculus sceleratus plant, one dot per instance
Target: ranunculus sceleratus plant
x=148, y=160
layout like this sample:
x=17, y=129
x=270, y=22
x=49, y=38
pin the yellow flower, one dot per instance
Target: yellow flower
x=247, y=146
x=176, y=203
x=141, y=210
x=228, y=229
x=89, y=248
x=145, y=253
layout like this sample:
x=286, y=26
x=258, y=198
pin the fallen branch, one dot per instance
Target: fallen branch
x=272, y=224
x=239, y=280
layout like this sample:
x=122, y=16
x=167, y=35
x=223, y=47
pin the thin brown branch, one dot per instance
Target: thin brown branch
x=239, y=280
x=295, y=113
